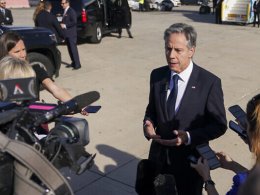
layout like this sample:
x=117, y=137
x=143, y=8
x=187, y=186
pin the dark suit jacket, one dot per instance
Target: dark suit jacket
x=6, y=19
x=70, y=19
x=48, y=20
x=201, y=112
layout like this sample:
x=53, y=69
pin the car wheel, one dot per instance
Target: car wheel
x=97, y=37
x=43, y=61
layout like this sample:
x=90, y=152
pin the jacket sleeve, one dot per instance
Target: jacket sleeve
x=216, y=122
x=150, y=113
x=72, y=20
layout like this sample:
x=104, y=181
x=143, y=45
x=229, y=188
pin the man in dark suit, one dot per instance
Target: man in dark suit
x=48, y=20
x=69, y=25
x=185, y=109
x=6, y=16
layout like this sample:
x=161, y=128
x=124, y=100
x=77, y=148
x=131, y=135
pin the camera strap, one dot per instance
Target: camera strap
x=37, y=164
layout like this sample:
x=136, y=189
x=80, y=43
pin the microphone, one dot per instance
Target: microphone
x=73, y=105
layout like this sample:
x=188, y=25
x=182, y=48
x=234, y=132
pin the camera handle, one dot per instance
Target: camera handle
x=87, y=164
x=36, y=162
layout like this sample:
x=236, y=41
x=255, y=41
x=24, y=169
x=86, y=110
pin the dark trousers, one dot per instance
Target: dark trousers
x=218, y=15
x=127, y=30
x=256, y=15
x=73, y=51
x=141, y=7
x=188, y=181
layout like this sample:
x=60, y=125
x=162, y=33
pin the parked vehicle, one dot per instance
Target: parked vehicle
x=164, y=5
x=95, y=18
x=41, y=46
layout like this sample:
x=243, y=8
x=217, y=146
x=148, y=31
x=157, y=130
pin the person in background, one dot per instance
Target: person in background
x=185, y=109
x=253, y=132
x=38, y=9
x=256, y=10
x=69, y=26
x=141, y=5
x=48, y=20
x=123, y=5
x=214, y=6
x=12, y=44
x=6, y=16
x=218, y=10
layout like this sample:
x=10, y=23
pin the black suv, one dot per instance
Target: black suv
x=96, y=18
x=41, y=46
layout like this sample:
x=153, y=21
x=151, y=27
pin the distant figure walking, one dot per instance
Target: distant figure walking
x=126, y=14
x=6, y=16
x=46, y=19
x=256, y=9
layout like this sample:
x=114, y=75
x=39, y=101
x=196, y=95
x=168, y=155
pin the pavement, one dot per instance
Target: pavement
x=119, y=69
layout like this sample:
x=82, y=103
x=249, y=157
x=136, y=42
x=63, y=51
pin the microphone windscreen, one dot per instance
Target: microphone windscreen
x=86, y=99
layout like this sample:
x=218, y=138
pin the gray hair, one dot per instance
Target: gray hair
x=189, y=32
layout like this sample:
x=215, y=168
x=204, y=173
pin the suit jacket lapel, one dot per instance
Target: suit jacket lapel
x=191, y=86
x=164, y=85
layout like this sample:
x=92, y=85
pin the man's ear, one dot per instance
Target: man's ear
x=191, y=52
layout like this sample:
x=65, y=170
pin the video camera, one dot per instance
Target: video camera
x=22, y=119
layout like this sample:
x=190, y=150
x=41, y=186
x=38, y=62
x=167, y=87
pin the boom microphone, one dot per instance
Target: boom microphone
x=73, y=105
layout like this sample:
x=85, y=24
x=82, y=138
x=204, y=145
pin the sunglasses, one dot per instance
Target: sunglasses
x=3, y=3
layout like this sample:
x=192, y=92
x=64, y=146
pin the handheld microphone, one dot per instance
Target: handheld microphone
x=73, y=105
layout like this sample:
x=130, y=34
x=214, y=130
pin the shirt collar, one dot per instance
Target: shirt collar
x=184, y=75
x=65, y=11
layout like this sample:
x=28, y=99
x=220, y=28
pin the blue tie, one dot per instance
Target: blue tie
x=172, y=97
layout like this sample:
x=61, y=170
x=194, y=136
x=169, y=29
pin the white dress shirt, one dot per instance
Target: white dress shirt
x=184, y=77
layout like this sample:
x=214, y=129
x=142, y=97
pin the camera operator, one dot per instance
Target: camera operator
x=253, y=132
x=12, y=44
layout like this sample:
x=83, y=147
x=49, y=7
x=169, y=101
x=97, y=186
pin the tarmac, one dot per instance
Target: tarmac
x=119, y=69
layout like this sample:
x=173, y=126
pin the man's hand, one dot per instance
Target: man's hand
x=84, y=112
x=62, y=25
x=149, y=130
x=181, y=138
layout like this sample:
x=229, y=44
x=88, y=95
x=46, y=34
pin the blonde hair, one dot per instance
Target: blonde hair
x=38, y=9
x=11, y=67
x=253, y=117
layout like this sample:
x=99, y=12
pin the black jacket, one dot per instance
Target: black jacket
x=6, y=18
x=48, y=20
x=201, y=112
